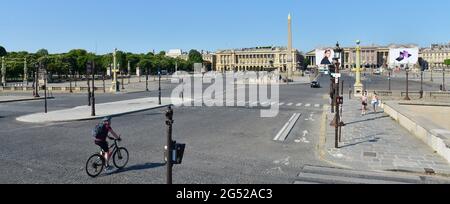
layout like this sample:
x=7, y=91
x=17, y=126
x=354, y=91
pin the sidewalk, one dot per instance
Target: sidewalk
x=375, y=142
x=106, y=109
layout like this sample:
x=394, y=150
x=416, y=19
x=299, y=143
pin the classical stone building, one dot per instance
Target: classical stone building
x=256, y=59
x=177, y=53
x=435, y=55
x=210, y=58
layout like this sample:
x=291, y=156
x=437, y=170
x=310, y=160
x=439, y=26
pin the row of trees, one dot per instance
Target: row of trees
x=74, y=62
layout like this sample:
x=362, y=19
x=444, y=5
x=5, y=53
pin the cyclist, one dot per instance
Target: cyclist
x=100, y=139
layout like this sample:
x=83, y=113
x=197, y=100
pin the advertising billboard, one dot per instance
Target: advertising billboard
x=403, y=56
x=324, y=57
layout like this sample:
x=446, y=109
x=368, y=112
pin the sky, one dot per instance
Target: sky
x=141, y=26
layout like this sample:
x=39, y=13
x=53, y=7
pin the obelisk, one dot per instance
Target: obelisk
x=289, y=49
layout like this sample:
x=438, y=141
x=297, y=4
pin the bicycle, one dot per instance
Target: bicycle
x=97, y=162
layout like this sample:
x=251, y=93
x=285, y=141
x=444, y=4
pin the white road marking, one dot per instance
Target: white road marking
x=308, y=105
x=299, y=104
x=317, y=105
x=284, y=132
x=289, y=104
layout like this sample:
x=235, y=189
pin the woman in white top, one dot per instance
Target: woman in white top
x=375, y=102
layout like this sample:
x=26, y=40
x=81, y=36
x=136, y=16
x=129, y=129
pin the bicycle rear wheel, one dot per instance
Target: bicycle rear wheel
x=120, y=158
x=94, y=165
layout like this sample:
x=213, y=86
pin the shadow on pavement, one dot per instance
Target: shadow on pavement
x=373, y=140
x=140, y=167
x=369, y=119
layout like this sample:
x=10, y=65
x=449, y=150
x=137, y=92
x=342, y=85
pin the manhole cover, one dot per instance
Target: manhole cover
x=370, y=154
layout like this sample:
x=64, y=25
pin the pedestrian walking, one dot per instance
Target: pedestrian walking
x=375, y=102
x=364, y=99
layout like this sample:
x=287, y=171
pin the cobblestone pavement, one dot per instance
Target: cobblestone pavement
x=376, y=142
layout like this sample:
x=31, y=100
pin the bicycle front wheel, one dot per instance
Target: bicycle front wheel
x=94, y=165
x=120, y=158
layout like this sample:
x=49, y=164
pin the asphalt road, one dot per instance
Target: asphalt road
x=224, y=144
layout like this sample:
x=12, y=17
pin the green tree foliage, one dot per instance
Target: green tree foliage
x=145, y=64
x=42, y=52
x=447, y=62
x=195, y=56
x=74, y=62
x=3, y=51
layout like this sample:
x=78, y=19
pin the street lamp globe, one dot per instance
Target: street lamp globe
x=337, y=52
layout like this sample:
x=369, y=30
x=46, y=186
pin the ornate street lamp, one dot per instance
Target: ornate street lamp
x=358, y=87
x=337, y=101
x=36, y=79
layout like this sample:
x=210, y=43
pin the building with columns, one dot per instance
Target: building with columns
x=435, y=55
x=371, y=56
x=257, y=59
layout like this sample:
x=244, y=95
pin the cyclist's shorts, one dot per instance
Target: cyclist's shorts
x=103, y=144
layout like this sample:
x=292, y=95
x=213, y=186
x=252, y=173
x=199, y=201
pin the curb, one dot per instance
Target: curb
x=321, y=146
x=99, y=117
x=28, y=99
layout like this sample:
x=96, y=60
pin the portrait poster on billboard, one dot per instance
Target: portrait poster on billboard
x=324, y=57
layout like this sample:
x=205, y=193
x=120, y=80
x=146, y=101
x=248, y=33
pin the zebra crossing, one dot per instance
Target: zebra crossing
x=287, y=104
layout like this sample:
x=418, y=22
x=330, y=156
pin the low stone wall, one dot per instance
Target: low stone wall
x=414, y=95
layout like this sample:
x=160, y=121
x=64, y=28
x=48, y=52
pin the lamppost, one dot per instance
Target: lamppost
x=407, y=84
x=115, y=87
x=45, y=90
x=443, y=79
x=75, y=78
x=129, y=72
x=159, y=86
x=36, y=79
x=3, y=72
x=70, y=80
x=421, y=84
x=431, y=74
x=88, y=69
x=358, y=87
x=93, y=89
x=103, y=79
x=25, y=71
x=389, y=79
x=121, y=76
x=337, y=98
x=146, y=79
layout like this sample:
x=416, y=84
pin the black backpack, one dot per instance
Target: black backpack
x=98, y=131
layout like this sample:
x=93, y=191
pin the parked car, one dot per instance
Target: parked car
x=315, y=84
